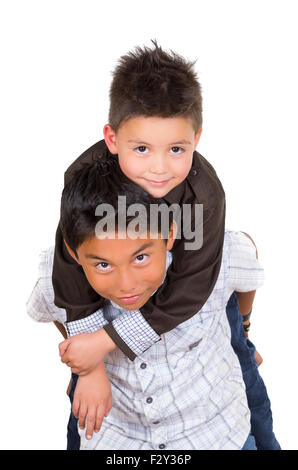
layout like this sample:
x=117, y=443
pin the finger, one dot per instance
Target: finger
x=109, y=406
x=82, y=416
x=99, y=419
x=65, y=358
x=90, y=423
x=76, y=407
x=63, y=346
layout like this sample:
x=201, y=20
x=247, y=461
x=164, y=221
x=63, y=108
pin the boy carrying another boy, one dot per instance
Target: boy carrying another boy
x=186, y=391
x=155, y=125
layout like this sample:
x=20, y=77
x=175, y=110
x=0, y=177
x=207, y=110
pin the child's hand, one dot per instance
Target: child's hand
x=85, y=351
x=92, y=400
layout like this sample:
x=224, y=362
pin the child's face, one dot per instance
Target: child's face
x=125, y=271
x=156, y=153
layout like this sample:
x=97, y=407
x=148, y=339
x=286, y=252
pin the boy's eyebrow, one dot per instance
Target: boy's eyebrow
x=143, y=247
x=91, y=256
x=180, y=142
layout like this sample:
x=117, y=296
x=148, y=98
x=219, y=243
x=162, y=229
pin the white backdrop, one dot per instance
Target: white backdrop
x=57, y=58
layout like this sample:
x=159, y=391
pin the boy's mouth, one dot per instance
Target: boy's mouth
x=130, y=300
x=157, y=183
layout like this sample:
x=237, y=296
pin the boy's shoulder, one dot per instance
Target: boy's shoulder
x=238, y=245
x=205, y=183
x=239, y=241
x=95, y=152
x=40, y=305
x=45, y=262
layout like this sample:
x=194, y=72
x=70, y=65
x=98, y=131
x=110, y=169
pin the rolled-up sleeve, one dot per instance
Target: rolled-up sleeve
x=37, y=306
x=244, y=271
x=40, y=305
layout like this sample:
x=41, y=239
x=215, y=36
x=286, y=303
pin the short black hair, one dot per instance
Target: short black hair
x=151, y=82
x=95, y=183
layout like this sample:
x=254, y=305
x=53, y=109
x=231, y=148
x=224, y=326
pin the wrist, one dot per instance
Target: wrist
x=99, y=369
x=246, y=322
x=246, y=316
x=106, y=342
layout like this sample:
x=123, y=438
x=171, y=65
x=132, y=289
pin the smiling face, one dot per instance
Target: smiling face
x=124, y=270
x=156, y=153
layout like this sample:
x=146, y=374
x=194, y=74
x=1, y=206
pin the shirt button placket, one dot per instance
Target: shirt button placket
x=158, y=430
x=152, y=414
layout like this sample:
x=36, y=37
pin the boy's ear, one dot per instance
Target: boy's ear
x=110, y=138
x=71, y=252
x=172, y=235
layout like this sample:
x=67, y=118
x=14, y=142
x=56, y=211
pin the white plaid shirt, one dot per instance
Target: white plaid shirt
x=186, y=391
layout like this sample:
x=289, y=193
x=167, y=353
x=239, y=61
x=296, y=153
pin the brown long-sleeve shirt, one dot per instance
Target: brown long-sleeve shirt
x=191, y=276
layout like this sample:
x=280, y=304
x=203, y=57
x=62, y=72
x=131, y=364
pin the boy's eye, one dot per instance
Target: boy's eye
x=141, y=148
x=176, y=150
x=141, y=258
x=103, y=266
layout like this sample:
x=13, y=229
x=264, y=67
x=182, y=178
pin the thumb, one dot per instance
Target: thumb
x=63, y=346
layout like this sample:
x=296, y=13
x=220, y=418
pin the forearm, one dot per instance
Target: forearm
x=245, y=300
x=105, y=341
x=98, y=370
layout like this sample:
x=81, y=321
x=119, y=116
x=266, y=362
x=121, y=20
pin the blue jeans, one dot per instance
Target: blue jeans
x=249, y=444
x=73, y=437
x=258, y=401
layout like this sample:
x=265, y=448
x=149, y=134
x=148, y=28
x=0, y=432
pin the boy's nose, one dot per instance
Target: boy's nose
x=128, y=284
x=158, y=166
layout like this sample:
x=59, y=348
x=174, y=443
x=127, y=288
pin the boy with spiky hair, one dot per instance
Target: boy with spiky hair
x=155, y=123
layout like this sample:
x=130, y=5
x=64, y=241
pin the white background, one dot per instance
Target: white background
x=56, y=61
